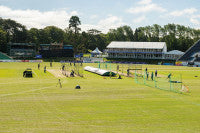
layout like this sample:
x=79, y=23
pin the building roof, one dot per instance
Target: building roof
x=139, y=45
x=189, y=54
x=96, y=51
x=175, y=52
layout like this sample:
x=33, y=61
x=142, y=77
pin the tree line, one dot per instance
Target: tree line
x=177, y=37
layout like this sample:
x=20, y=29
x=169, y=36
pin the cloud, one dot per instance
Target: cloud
x=145, y=6
x=86, y=27
x=194, y=21
x=139, y=20
x=144, y=2
x=38, y=19
x=59, y=18
x=110, y=22
x=184, y=12
x=93, y=16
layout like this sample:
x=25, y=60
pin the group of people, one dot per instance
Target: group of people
x=45, y=68
x=152, y=74
x=156, y=74
x=72, y=73
x=70, y=63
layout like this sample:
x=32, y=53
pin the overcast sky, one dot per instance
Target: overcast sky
x=102, y=14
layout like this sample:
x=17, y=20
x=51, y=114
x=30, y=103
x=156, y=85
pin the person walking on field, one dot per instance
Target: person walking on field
x=128, y=72
x=51, y=64
x=169, y=76
x=59, y=83
x=63, y=67
x=45, y=69
x=156, y=73
x=152, y=76
x=38, y=66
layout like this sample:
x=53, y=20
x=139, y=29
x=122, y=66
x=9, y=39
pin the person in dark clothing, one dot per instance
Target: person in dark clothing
x=50, y=64
x=45, y=69
x=59, y=82
x=128, y=72
x=152, y=76
x=63, y=67
x=72, y=74
x=146, y=70
x=38, y=66
x=156, y=73
x=169, y=76
x=117, y=67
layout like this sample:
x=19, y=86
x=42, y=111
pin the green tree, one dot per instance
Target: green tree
x=33, y=35
x=129, y=33
x=2, y=40
x=123, y=33
x=94, y=31
x=156, y=29
x=43, y=37
x=16, y=32
x=142, y=37
x=135, y=36
x=54, y=34
x=74, y=22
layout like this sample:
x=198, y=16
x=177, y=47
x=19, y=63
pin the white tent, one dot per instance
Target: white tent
x=175, y=52
x=173, y=55
x=96, y=51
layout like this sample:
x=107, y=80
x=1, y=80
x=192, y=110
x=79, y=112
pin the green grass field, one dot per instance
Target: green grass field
x=101, y=105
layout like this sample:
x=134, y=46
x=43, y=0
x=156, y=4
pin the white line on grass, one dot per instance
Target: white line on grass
x=19, y=82
x=22, y=92
x=35, y=73
x=14, y=82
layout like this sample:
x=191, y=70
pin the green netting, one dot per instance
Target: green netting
x=121, y=69
x=104, y=65
x=107, y=66
x=79, y=68
x=168, y=82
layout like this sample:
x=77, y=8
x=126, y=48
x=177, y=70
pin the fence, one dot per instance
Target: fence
x=121, y=69
x=163, y=81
